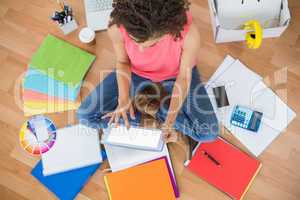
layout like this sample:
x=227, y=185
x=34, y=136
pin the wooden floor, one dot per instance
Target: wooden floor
x=24, y=24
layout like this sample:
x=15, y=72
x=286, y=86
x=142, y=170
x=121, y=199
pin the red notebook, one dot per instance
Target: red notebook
x=225, y=166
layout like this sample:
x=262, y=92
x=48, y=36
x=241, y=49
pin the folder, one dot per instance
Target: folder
x=121, y=158
x=147, y=181
x=68, y=62
x=40, y=107
x=172, y=177
x=65, y=185
x=30, y=95
x=225, y=167
x=39, y=82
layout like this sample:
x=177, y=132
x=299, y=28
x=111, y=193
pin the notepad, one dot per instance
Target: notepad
x=148, y=181
x=134, y=137
x=75, y=147
x=225, y=167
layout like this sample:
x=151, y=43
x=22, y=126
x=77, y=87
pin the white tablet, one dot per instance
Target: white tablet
x=134, y=137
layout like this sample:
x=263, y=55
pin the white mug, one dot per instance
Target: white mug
x=87, y=36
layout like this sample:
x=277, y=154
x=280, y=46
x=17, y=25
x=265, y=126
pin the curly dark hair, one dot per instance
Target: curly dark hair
x=145, y=19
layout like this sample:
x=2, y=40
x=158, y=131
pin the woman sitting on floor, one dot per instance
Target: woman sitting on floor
x=154, y=41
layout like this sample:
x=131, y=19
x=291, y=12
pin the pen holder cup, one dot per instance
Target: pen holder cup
x=69, y=27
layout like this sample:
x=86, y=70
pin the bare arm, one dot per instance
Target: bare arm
x=123, y=78
x=183, y=80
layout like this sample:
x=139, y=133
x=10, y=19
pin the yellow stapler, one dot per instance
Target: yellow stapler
x=254, y=35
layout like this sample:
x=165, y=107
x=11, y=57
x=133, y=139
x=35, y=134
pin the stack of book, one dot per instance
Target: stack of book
x=54, y=77
x=137, y=172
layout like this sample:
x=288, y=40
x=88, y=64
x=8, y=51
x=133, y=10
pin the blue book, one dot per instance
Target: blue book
x=66, y=185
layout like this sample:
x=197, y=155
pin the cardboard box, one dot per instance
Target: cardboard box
x=227, y=19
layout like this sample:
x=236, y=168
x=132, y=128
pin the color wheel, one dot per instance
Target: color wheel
x=30, y=143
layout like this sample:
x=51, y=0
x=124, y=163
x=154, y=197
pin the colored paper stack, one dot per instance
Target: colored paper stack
x=54, y=77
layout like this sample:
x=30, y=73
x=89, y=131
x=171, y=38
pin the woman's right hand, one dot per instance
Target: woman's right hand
x=124, y=107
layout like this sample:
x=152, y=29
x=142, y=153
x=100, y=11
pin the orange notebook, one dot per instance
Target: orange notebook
x=225, y=166
x=149, y=181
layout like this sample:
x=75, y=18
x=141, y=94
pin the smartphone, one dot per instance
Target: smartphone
x=221, y=96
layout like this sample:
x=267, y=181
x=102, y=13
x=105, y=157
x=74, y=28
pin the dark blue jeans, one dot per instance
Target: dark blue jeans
x=196, y=117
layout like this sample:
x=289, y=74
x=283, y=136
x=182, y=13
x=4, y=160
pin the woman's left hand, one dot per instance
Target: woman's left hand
x=169, y=133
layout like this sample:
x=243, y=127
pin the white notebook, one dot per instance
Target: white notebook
x=75, y=147
x=134, y=137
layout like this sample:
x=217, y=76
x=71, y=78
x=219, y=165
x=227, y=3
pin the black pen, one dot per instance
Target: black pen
x=211, y=158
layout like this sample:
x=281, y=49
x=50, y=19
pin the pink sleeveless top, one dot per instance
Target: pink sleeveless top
x=160, y=61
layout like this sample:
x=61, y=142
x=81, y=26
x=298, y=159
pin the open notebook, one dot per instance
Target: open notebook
x=75, y=147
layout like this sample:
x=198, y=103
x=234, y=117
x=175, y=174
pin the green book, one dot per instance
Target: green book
x=62, y=61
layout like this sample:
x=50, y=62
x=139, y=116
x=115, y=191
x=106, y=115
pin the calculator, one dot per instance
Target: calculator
x=246, y=118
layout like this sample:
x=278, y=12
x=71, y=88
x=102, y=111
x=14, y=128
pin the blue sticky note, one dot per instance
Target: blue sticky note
x=68, y=184
x=39, y=82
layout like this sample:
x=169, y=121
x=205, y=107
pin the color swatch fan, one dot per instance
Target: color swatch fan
x=30, y=142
